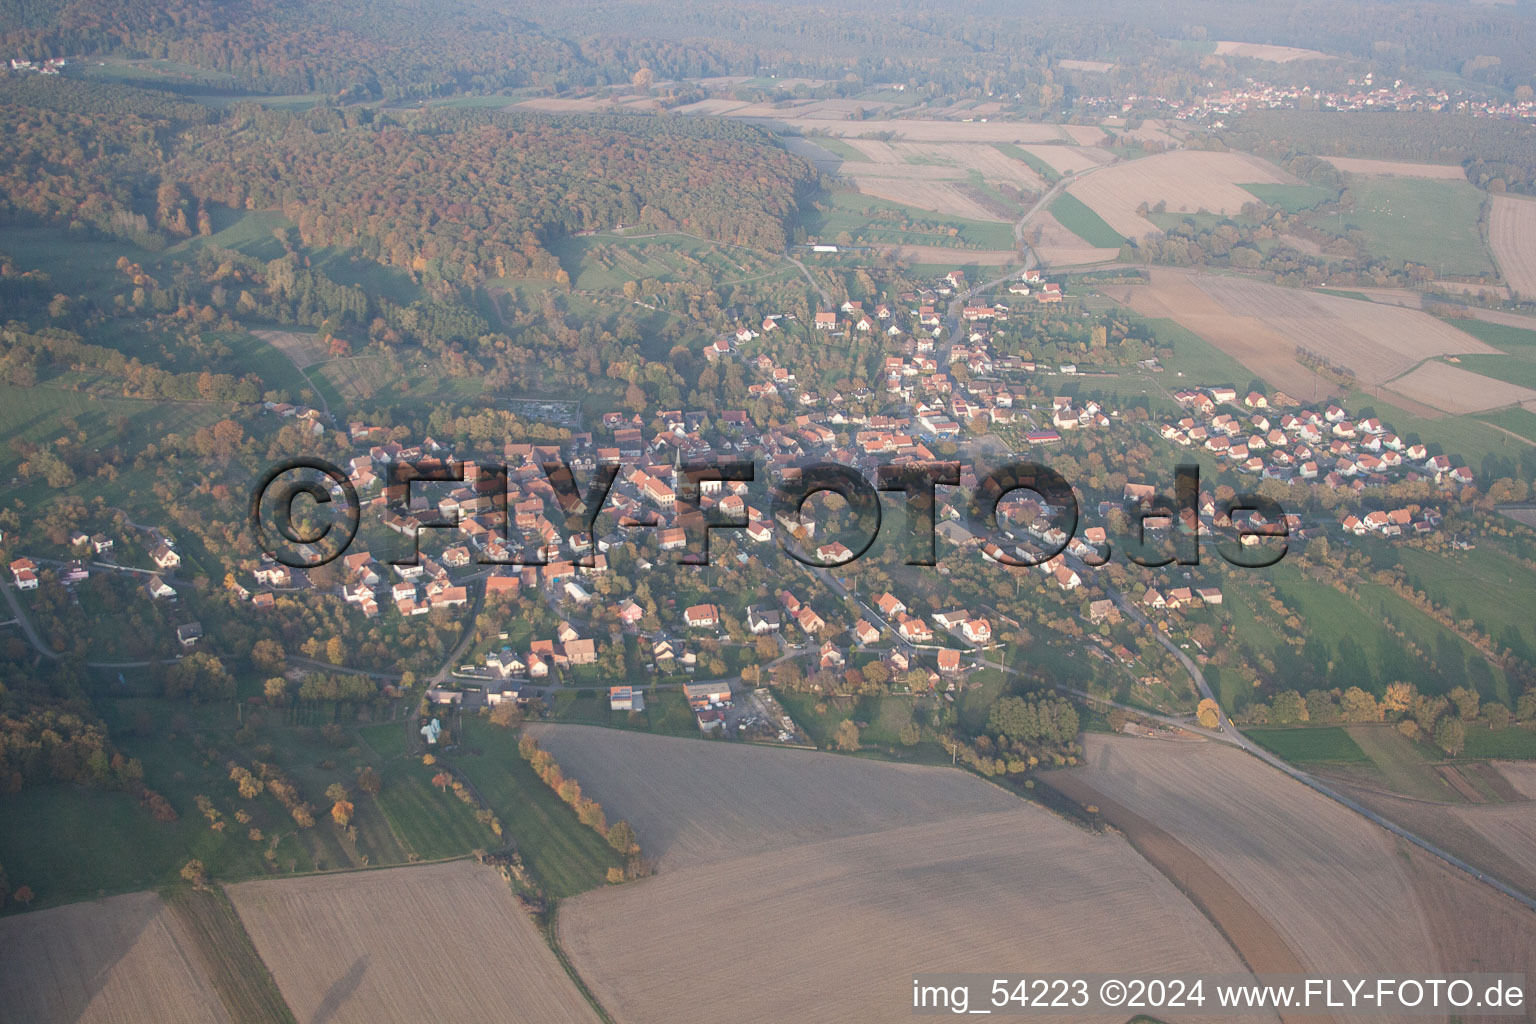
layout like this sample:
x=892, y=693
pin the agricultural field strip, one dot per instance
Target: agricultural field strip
x=1186, y=180
x=888, y=865
x=654, y=782
x=1521, y=775
x=1068, y=159
x=393, y=946
x=1454, y=390
x=1262, y=324
x=1266, y=51
x=1512, y=236
x=1397, y=168
x=836, y=927
x=115, y=961
x=1327, y=879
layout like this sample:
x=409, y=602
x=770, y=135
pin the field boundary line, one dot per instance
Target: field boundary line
x=551, y=932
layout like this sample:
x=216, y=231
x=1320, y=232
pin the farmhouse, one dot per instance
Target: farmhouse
x=702, y=616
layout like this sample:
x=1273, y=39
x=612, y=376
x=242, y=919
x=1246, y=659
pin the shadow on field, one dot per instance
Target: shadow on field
x=340, y=991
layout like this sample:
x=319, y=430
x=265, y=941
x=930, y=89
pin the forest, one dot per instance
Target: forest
x=1498, y=155
x=464, y=196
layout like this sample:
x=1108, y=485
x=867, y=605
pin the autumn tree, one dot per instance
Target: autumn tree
x=507, y=715
x=847, y=736
x=621, y=836
x=1208, y=714
x=193, y=872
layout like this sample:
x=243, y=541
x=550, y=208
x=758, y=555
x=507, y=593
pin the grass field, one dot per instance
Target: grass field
x=837, y=147
x=99, y=858
x=1465, y=439
x=1455, y=661
x=1516, y=743
x=1076, y=217
x=566, y=856
x=1198, y=361
x=1290, y=198
x=1483, y=585
x=870, y=219
x=1039, y=166
x=1324, y=744
x=1400, y=762
x=433, y=824
x=1420, y=220
x=1519, y=370
x=1518, y=421
x=1514, y=340
x=386, y=738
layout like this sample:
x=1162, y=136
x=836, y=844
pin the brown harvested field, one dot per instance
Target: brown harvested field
x=1059, y=247
x=1521, y=775
x=437, y=942
x=905, y=129
x=1262, y=948
x=1499, y=839
x=825, y=881
x=304, y=349
x=1459, y=783
x=122, y=960
x=758, y=798
x=934, y=176
x=1085, y=65
x=712, y=106
x=947, y=197
x=1454, y=390
x=1085, y=134
x=1476, y=929
x=1261, y=325
x=1329, y=882
x=1265, y=51
x=1512, y=235
x=987, y=160
x=945, y=254
x=1070, y=159
x=1187, y=181
x=1397, y=168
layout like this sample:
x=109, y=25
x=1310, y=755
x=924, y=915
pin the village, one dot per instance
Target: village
x=947, y=382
